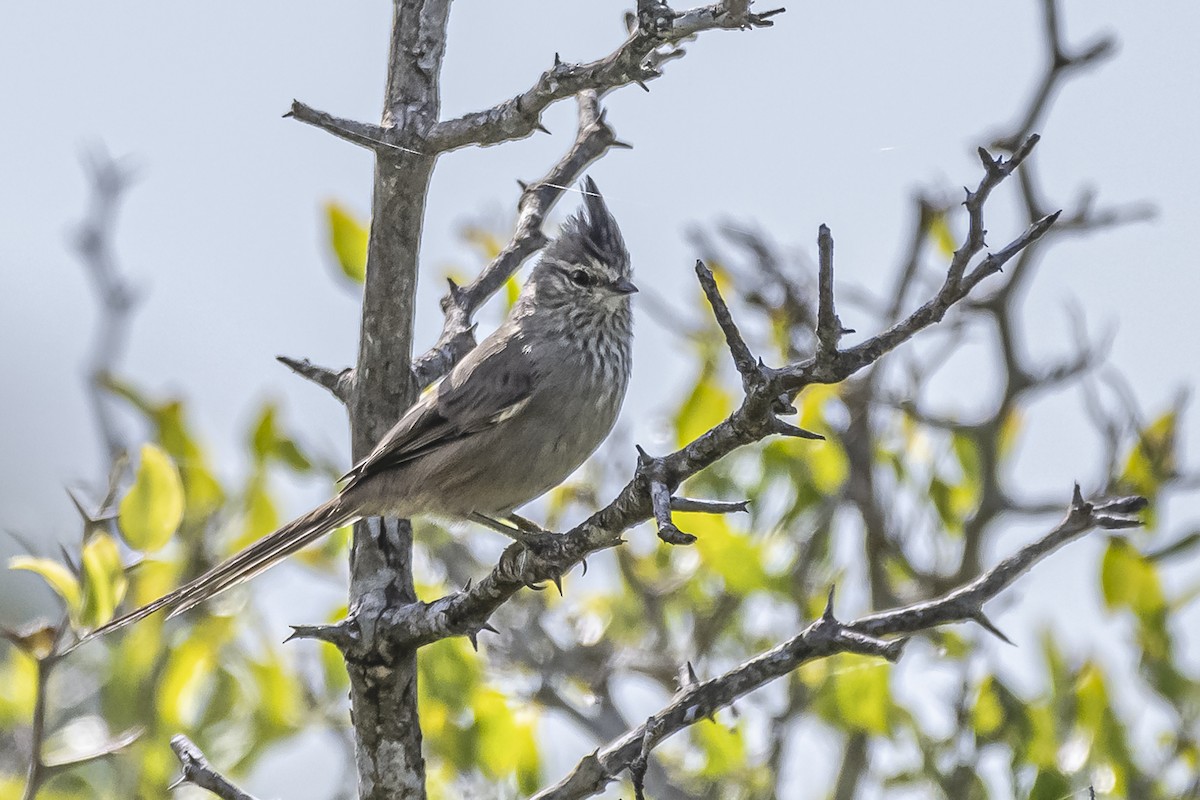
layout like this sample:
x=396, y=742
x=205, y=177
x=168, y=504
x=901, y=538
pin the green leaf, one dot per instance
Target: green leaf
x=57, y=575
x=190, y=674
x=104, y=581
x=268, y=443
x=153, y=508
x=707, y=404
x=1050, y=784
x=1130, y=581
x=259, y=514
x=1091, y=699
x=862, y=694
x=987, y=715
x=348, y=237
x=506, y=742
x=1041, y=747
x=939, y=231
x=724, y=749
x=737, y=558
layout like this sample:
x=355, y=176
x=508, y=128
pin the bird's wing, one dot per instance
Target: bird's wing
x=491, y=384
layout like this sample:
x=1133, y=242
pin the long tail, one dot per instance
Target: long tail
x=243, y=565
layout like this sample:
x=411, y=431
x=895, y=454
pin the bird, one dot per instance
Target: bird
x=517, y=415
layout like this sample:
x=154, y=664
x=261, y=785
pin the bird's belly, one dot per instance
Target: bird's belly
x=516, y=461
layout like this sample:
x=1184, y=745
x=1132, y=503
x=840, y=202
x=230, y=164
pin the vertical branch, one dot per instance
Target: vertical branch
x=383, y=686
x=109, y=179
x=829, y=327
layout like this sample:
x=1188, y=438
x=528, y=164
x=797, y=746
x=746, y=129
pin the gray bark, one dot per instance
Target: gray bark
x=383, y=685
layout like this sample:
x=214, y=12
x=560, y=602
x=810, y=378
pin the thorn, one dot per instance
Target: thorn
x=182, y=779
x=895, y=648
x=642, y=84
x=848, y=330
x=487, y=626
x=286, y=115
x=987, y=625
x=827, y=614
x=691, y=675
x=538, y=126
x=473, y=638
x=524, y=186
x=644, y=458
x=787, y=429
x=467, y=587
x=1077, y=496
x=617, y=143
x=584, y=563
x=557, y=60
x=537, y=587
x=557, y=581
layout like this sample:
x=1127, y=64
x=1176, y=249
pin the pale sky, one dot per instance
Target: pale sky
x=833, y=116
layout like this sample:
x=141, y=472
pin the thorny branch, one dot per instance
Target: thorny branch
x=593, y=139
x=109, y=179
x=548, y=556
x=633, y=62
x=827, y=636
x=198, y=772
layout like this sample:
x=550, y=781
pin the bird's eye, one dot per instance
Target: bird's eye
x=580, y=278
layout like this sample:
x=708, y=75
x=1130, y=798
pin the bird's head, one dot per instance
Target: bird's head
x=587, y=266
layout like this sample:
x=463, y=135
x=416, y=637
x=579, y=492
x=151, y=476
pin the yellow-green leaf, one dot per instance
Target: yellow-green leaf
x=861, y=692
x=708, y=404
x=260, y=516
x=987, y=714
x=104, y=581
x=1153, y=459
x=153, y=508
x=939, y=231
x=56, y=574
x=1129, y=580
x=724, y=749
x=348, y=237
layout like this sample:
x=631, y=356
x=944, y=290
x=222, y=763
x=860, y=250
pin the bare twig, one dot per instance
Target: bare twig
x=632, y=62
x=829, y=327
x=363, y=134
x=593, y=139
x=338, y=383
x=109, y=179
x=826, y=637
x=198, y=772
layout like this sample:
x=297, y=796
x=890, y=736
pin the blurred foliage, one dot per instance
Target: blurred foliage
x=220, y=676
x=895, y=505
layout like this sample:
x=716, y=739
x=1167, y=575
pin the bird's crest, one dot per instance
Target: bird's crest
x=591, y=234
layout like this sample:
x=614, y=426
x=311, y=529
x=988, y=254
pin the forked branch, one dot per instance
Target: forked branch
x=873, y=635
x=632, y=62
x=467, y=611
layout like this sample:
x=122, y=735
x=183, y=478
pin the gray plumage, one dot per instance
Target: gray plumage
x=514, y=418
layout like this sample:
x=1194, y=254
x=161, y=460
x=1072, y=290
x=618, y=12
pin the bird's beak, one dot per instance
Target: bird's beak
x=623, y=286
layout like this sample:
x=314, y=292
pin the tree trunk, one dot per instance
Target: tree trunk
x=383, y=684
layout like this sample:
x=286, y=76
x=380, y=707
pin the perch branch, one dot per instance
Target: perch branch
x=466, y=611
